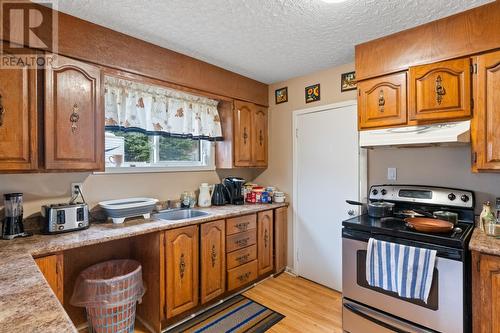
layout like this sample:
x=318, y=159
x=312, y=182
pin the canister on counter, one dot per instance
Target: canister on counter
x=257, y=190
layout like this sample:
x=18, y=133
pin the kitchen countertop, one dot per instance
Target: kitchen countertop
x=485, y=244
x=27, y=303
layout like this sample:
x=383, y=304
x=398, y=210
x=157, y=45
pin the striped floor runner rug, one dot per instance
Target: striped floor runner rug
x=238, y=314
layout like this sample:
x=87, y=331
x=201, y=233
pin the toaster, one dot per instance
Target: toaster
x=60, y=218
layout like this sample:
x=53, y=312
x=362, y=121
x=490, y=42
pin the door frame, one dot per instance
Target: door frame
x=362, y=171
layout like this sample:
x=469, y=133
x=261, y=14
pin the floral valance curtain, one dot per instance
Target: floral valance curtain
x=153, y=110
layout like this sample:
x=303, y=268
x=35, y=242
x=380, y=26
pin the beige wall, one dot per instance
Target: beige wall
x=279, y=172
x=40, y=189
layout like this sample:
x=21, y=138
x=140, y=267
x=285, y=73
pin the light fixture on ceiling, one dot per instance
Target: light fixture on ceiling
x=333, y=1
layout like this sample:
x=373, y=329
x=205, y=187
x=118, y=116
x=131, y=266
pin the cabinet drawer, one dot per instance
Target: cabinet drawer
x=241, y=240
x=241, y=224
x=240, y=257
x=240, y=276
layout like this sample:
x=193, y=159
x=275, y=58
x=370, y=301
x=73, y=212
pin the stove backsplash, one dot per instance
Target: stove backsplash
x=437, y=166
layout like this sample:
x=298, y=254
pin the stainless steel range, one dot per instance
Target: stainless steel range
x=448, y=308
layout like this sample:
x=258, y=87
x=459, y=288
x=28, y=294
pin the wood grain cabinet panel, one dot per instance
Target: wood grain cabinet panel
x=213, y=260
x=74, y=116
x=259, y=144
x=440, y=91
x=52, y=269
x=265, y=227
x=18, y=119
x=182, y=269
x=280, y=239
x=242, y=275
x=486, y=121
x=240, y=257
x=243, y=134
x=486, y=293
x=241, y=223
x=382, y=101
x=241, y=240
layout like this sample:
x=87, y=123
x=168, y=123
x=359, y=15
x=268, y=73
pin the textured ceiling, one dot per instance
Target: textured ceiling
x=267, y=40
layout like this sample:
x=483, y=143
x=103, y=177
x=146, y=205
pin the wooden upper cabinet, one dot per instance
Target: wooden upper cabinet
x=250, y=135
x=213, y=260
x=74, y=116
x=265, y=241
x=243, y=114
x=485, y=293
x=18, y=119
x=382, y=101
x=440, y=91
x=182, y=269
x=259, y=147
x=486, y=121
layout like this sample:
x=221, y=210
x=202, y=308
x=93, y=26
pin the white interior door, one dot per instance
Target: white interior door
x=327, y=173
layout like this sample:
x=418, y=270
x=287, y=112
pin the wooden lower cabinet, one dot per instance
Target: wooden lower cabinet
x=280, y=239
x=485, y=293
x=265, y=239
x=242, y=275
x=213, y=260
x=52, y=269
x=486, y=121
x=182, y=270
x=240, y=257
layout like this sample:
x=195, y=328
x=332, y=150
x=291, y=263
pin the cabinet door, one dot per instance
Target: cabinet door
x=259, y=144
x=52, y=269
x=18, y=119
x=382, y=101
x=440, y=91
x=243, y=137
x=280, y=239
x=213, y=260
x=486, y=121
x=486, y=293
x=74, y=117
x=265, y=241
x=182, y=270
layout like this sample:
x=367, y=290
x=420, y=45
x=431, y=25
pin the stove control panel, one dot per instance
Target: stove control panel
x=423, y=194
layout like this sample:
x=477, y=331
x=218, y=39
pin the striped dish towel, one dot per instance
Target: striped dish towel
x=406, y=270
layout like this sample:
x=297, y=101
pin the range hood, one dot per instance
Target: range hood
x=421, y=135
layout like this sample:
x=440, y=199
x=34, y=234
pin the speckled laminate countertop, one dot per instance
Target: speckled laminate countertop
x=485, y=244
x=27, y=303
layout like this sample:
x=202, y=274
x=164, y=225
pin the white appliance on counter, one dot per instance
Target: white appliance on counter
x=454, y=133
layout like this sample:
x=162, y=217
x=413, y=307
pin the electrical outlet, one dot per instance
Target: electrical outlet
x=391, y=173
x=74, y=188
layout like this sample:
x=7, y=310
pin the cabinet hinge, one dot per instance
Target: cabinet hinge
x=57, y=268
x=472, y=103
x=475, y=68
x=165, y=310
x=474, y=157
x=478, y=264
x=359, y=92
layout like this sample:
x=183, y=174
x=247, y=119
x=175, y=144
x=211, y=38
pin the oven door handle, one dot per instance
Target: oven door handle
x=360, y=313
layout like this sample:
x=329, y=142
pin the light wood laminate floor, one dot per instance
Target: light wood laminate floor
x=308, y=307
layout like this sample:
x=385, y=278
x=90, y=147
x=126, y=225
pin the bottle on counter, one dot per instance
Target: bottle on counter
x=487, y=217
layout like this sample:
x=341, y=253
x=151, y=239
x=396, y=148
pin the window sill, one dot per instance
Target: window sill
x=111, y=171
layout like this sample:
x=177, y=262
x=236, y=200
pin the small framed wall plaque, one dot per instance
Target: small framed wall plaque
x=348, y=81
x=313, y=93
x=281, y=95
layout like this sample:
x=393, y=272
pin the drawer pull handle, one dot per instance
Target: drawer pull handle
x=244, y=277
x=243, y=258
x=242, y=226
x=266, y=238
x=440, y=90
x=2, y=111
x=381, y=100
x=74, y=118
x=182, y=266
x=242, y=242
x=213, y=256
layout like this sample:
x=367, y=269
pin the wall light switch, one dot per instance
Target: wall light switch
x=392, y=174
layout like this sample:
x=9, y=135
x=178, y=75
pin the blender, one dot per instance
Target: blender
x=12, y=226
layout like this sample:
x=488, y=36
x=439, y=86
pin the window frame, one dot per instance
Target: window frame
x=206, y=163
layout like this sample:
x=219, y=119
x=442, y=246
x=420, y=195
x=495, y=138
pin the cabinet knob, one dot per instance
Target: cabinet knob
x=2, y=111
x=213, y=255
x=381, y=100
x=182, y=266
x=74, y=118
x=261, y=138
x=266, y=238
x=245, y=135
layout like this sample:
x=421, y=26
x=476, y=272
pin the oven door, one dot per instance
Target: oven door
x=444, y=310
x=359, y=318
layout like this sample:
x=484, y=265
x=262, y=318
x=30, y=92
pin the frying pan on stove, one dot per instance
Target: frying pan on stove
x=427, y=224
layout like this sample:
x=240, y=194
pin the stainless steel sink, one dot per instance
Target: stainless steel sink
x=180, y=214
